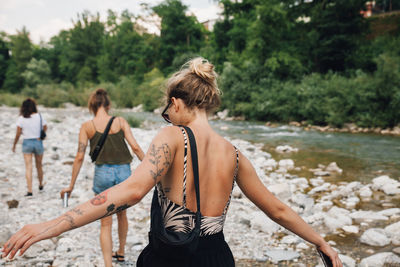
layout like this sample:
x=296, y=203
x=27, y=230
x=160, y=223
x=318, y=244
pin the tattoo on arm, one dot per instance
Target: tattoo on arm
x=111, y=209
x=68, y=218
x=77, y=211
x=156, y=154
x=81, y=147
x=99, y=199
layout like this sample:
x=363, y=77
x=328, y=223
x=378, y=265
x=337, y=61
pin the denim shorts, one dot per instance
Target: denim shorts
x=108, y=175
x=32, y=146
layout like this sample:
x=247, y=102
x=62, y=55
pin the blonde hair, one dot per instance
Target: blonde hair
x=196, y=85
x=97, y=99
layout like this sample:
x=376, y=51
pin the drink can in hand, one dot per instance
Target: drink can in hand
x=65, y=200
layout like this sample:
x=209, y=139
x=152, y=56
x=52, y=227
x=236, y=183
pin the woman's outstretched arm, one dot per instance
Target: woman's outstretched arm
x=154, y=166
x=282, y=214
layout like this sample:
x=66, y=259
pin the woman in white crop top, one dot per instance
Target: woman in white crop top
x=29, y=126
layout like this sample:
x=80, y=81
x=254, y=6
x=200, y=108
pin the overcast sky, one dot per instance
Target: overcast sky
x=45, y=18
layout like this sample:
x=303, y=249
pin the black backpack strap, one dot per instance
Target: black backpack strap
x=195, y=165
x=102, y=140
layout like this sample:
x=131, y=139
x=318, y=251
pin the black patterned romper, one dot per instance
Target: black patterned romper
x=212, y=251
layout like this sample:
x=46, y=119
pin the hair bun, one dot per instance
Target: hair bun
x=202, y=68
x=101, y=92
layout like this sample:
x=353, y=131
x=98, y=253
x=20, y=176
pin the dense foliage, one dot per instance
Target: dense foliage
x=318, y=61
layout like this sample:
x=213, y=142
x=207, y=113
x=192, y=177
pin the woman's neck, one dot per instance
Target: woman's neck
x=101, y=112
x=198, y=119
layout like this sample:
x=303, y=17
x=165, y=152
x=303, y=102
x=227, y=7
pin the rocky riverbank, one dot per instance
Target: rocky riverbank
x=347, y=127
x=362, y=221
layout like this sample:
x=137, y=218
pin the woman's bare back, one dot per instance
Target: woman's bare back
x=217, y=162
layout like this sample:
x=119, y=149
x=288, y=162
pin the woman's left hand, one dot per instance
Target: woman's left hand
x=13, y=149
x=27, y=236
x=332, y=254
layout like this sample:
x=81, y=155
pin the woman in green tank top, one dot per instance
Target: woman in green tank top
x=112, y=165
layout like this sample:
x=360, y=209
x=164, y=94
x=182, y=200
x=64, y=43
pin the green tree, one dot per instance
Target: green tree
x=21, y=54
x=179, y=33
x=4, y=58
x=37, y=71
x=339, y=28
x=125, y=50
x=81, y=47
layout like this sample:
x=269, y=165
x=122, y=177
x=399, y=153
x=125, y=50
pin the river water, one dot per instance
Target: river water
x=361, y=156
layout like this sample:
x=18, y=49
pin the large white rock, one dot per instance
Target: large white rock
x=261, y=222
x=304, y=202
x=386, y=184
x=351, y=202
x=368, y=216
x=281, y=191
x=322, y=188
x=333, y=167
x=393, y=230
x=270, y=163
x=285, y=148
x=287, y=164
x=347, y=261
x=351, y=229
x=380, y=259
x=365, y=192
x=300, y=183
x=375, y=237
x=290, y=239
x=337, y=218
x=389, y=212
x=277, y=255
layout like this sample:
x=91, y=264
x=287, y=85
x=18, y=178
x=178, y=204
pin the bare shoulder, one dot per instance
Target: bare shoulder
x=88, y=128
x=122, y=120
x=87, y=125
x=170, y=133
x=228, y=146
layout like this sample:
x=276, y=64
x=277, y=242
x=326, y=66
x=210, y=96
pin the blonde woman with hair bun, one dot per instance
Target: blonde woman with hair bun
x=192, y=93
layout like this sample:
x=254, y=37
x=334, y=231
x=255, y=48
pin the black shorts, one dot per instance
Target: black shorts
x=212, y=251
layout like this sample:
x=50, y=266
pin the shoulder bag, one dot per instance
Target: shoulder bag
x=176, y=244
x=99, y=146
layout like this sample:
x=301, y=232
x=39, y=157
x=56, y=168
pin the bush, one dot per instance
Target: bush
x=150, y=92
x=11, y=100
x=133, y=121
x=329, y=99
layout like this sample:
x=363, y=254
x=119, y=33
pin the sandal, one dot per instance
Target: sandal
x=40, y=187
x=29, y=194
x=120, y=258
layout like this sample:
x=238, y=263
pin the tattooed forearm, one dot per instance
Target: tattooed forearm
x=77, y=211
x=111, y=209
x=81, y=147
x=99, y=199
x=158, y=155
x=68, y=218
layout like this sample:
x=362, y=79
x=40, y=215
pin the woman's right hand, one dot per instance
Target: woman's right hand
x=66, y=190
x=29, y=235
